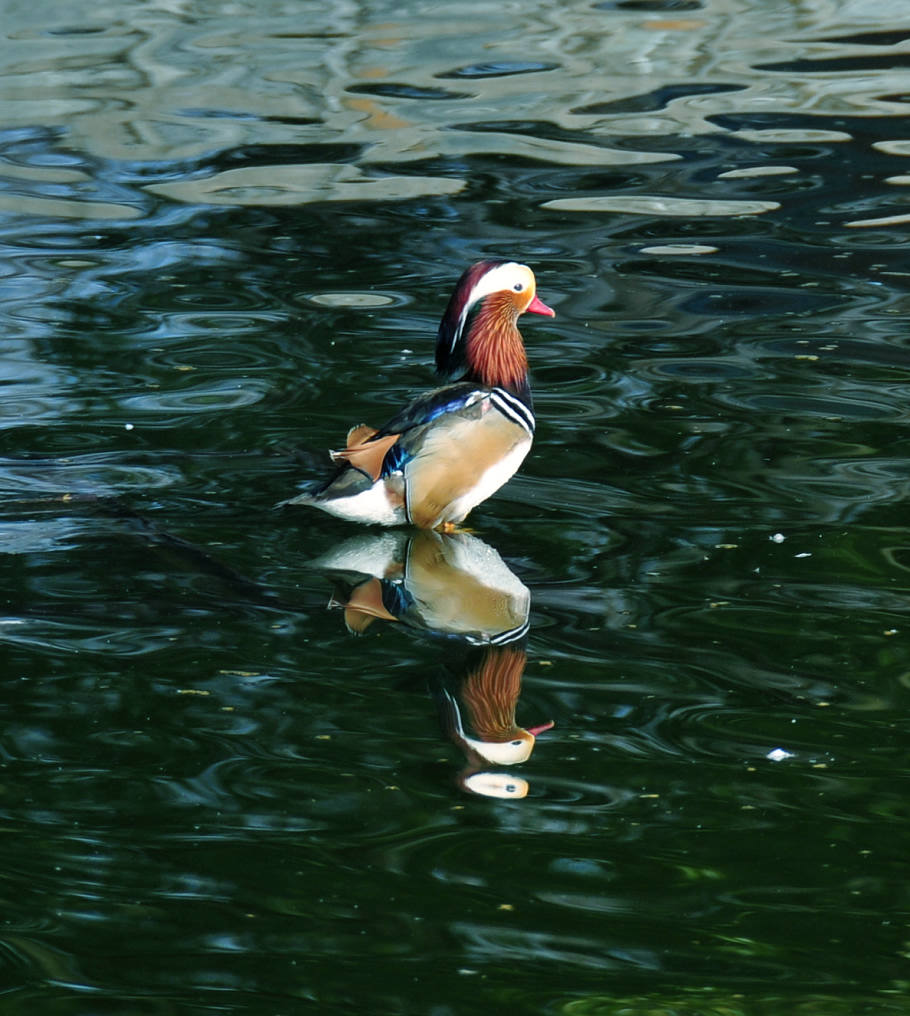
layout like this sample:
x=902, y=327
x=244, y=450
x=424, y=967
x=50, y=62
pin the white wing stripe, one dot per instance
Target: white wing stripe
x=513, y=408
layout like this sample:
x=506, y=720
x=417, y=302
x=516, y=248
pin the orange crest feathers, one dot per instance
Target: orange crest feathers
x=495, y=352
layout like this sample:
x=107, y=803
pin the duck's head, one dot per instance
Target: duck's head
x=514, y=291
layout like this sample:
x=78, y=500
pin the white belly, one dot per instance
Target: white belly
x=373, y=506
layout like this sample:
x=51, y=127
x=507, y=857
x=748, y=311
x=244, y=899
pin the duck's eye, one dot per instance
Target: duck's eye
x=518, y=287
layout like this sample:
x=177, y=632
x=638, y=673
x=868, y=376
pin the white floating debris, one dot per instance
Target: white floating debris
x=779, y=754
x=777, y=537
x=805, y=553
x=127, y=426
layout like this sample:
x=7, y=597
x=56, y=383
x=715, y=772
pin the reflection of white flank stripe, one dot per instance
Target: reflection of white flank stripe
x=513, y=408
x=502, y=638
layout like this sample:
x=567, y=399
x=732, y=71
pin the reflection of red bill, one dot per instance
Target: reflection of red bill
x=534, y=731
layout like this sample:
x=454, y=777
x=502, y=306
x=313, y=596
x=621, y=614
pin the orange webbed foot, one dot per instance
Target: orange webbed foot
x=451, y=528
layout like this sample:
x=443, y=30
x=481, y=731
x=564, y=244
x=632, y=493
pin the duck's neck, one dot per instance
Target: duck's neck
x=495, y=353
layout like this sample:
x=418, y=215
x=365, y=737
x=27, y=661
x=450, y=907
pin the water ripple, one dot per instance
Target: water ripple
x=499, y=69
x=390, y=89
x=641, y=204
x=279, y=185
x=97, y=474
x=205, y=397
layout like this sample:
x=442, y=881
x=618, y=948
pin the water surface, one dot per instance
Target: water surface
x=227, y=235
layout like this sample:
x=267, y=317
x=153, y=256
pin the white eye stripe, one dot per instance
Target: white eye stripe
x=497, y=279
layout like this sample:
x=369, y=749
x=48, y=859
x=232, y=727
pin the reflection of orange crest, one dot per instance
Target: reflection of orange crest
x=490, y=693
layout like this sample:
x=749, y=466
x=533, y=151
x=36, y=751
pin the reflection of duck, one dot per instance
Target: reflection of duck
x=453, y=447
x=447, y=583
x=487, y=697
x=451, y=584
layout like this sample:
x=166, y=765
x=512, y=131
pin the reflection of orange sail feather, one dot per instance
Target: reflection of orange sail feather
x=363, y=606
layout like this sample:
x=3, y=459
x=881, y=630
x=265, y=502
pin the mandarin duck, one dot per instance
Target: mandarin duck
x=453, y=447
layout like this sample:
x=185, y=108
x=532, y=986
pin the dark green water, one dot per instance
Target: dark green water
x=227, y=235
